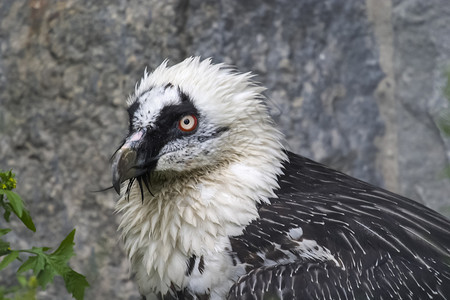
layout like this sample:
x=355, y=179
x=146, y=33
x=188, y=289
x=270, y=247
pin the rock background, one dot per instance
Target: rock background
x=354, y=84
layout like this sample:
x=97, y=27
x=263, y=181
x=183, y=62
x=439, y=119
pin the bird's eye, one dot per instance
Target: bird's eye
x=187, y=123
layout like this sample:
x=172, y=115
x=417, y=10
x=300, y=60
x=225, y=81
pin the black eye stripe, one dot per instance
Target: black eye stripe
x=171, y=114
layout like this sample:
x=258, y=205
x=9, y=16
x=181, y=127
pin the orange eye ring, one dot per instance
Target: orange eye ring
x=188, y=123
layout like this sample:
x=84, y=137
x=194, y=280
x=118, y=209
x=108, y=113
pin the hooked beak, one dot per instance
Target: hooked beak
x=127, y=163
x=122, y=166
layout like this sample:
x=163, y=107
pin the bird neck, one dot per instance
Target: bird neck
x=220, y=202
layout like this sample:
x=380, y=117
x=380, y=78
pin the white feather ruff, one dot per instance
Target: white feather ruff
x=194, y=211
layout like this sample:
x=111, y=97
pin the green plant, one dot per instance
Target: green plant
x=45, y=265
x=26, y=290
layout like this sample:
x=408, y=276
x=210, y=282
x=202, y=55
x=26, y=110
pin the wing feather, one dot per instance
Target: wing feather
x=358, y=242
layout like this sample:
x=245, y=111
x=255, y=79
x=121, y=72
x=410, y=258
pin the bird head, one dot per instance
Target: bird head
x=193, y=116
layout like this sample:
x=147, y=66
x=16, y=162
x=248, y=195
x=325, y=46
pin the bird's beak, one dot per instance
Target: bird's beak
x=122, y=166
x=125, y=162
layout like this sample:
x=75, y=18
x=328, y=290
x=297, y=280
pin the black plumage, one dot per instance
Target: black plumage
x=385, y=246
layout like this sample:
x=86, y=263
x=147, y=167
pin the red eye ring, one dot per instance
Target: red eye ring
x=187, y=123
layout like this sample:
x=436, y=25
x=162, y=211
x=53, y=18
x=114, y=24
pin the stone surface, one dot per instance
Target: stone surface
x=354, y=84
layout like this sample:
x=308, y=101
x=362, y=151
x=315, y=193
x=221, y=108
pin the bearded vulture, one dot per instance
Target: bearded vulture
x=213, y=207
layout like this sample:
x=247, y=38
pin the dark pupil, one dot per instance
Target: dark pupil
x=186, y=121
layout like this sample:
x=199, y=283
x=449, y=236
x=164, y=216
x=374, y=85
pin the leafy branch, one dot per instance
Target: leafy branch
x=45, y=265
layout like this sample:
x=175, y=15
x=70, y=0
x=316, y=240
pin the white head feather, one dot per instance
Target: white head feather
x=215, y=192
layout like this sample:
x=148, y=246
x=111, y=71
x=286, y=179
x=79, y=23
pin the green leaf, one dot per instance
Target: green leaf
x=47, y=266
x=8, y=259
x=27, y=221
x=46, y=276
x=4, y=248
x=7, y=213
x=6, y=206
x=15, y=201
x=65, y=249
x=40, y=264
x=75, y=284
x=4, y=231
x=28, y=264
x=40, y=267
x=17, y=205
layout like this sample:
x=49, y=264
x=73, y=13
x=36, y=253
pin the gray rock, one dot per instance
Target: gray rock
x=354, y=84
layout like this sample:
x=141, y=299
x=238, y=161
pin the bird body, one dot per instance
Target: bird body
x=213, y=207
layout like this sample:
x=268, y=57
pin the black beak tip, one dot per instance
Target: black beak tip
x=116, y=185
x=123, y=167
x=116, y=181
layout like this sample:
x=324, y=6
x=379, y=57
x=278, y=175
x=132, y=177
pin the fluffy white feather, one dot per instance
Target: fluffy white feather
x=202, y=199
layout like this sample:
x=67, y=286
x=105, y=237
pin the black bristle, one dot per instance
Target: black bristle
x=130, y=184
x=148, y=183
x=143, y=180
x=139, y=179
